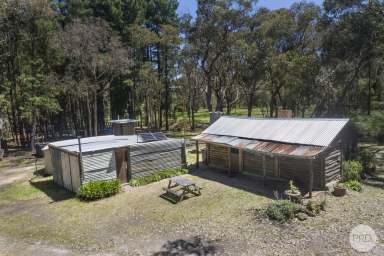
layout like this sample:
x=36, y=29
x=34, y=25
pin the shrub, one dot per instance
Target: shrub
x=281, y=210
x=323, y=204
x=163, y=174
x=313, y=207
x=354, y=185
x=99, y=189
x=292, y=188
x=352, y=170
x=367, y=160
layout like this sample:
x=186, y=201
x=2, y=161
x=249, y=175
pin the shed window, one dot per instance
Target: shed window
x=234, y=150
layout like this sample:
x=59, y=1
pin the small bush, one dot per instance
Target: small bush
x=367, y=160
x=313, y=207
x=163, y=174
x=352, y=170
x=99, y=189
x=354, y=185
x=292, y=188
x=323, y=204
x=281, y=210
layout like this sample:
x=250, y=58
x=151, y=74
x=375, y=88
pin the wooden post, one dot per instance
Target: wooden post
x=229, y=161
x=310, y=177
x=276, y=166
x=80, y=161
x=197, y=154
x=264, y=167
x=341, y=163
x=183, y=155
x=128, y=158
x=240, y=160
x=206, y=154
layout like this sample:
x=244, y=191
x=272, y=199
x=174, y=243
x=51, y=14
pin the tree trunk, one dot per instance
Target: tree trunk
x=369, y=90
x=209, y=94
x=250, y=104
x=95, y=113
x=33, y=135
x=89, y=117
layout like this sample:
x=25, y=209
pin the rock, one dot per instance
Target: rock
x=301, y=216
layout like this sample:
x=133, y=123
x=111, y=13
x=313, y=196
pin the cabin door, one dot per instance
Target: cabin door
x=121, y=165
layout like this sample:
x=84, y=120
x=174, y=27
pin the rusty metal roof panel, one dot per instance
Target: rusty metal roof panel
x=306, y=131
x=268, y=147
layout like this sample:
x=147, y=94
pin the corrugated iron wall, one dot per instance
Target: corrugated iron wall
x=147, y=158
x=99, y=166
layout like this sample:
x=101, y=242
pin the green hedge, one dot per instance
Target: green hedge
x=99, y=189
x=352, y=170
x=354, y=185
x=163, y=174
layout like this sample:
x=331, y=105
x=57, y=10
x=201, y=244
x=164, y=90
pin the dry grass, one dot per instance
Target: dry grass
x=37, y=217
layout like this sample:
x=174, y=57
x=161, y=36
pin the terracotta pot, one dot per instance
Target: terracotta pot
x=339, y=191
x=294, y=197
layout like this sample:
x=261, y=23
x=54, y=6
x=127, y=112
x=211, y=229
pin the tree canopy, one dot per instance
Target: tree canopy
x=72, y=65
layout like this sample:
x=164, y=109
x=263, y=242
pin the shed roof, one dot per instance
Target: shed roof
x=123, y=121
x=97, y=143
x=284, y=149
x=307, y=131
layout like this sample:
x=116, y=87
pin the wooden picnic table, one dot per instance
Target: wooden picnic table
x=179, y=187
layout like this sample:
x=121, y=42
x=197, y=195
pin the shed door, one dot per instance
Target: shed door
x=121, y=165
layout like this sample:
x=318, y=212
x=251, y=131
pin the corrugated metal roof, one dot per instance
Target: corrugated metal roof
x=262, y=146
x=97, y=143
x=123, y=121
x=310, y=131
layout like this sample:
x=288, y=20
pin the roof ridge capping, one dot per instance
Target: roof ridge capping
x=287, y=119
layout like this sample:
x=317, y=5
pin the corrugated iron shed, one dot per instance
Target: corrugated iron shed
x=310, y=131
x=274, y=148
x=123, y=121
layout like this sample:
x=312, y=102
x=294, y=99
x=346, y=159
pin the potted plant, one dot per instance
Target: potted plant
x=293, y=193
x=339, y=189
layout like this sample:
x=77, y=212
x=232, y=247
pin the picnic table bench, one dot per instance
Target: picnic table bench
x=179, y=187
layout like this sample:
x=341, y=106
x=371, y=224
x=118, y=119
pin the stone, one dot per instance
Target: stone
x=301, y=216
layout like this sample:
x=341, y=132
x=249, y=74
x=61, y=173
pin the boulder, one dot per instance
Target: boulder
x=301, y=216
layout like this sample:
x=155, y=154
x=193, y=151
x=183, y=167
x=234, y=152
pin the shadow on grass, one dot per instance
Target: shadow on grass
x=194, y=246
x=174, y=199
x=53, y=191
x=41, y=172
x=268, y=187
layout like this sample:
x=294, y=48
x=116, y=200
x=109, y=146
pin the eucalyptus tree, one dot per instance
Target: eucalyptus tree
x=352, y=45
x=26, y=59
x=96, y=56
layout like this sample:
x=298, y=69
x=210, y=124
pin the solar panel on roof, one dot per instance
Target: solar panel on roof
x=147, y=137
x=159, y=136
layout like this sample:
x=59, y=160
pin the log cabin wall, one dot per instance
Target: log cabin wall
x=332, y=163
x=288, y=168
x=298, y=170
x=217, y=156
x=253, y=164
